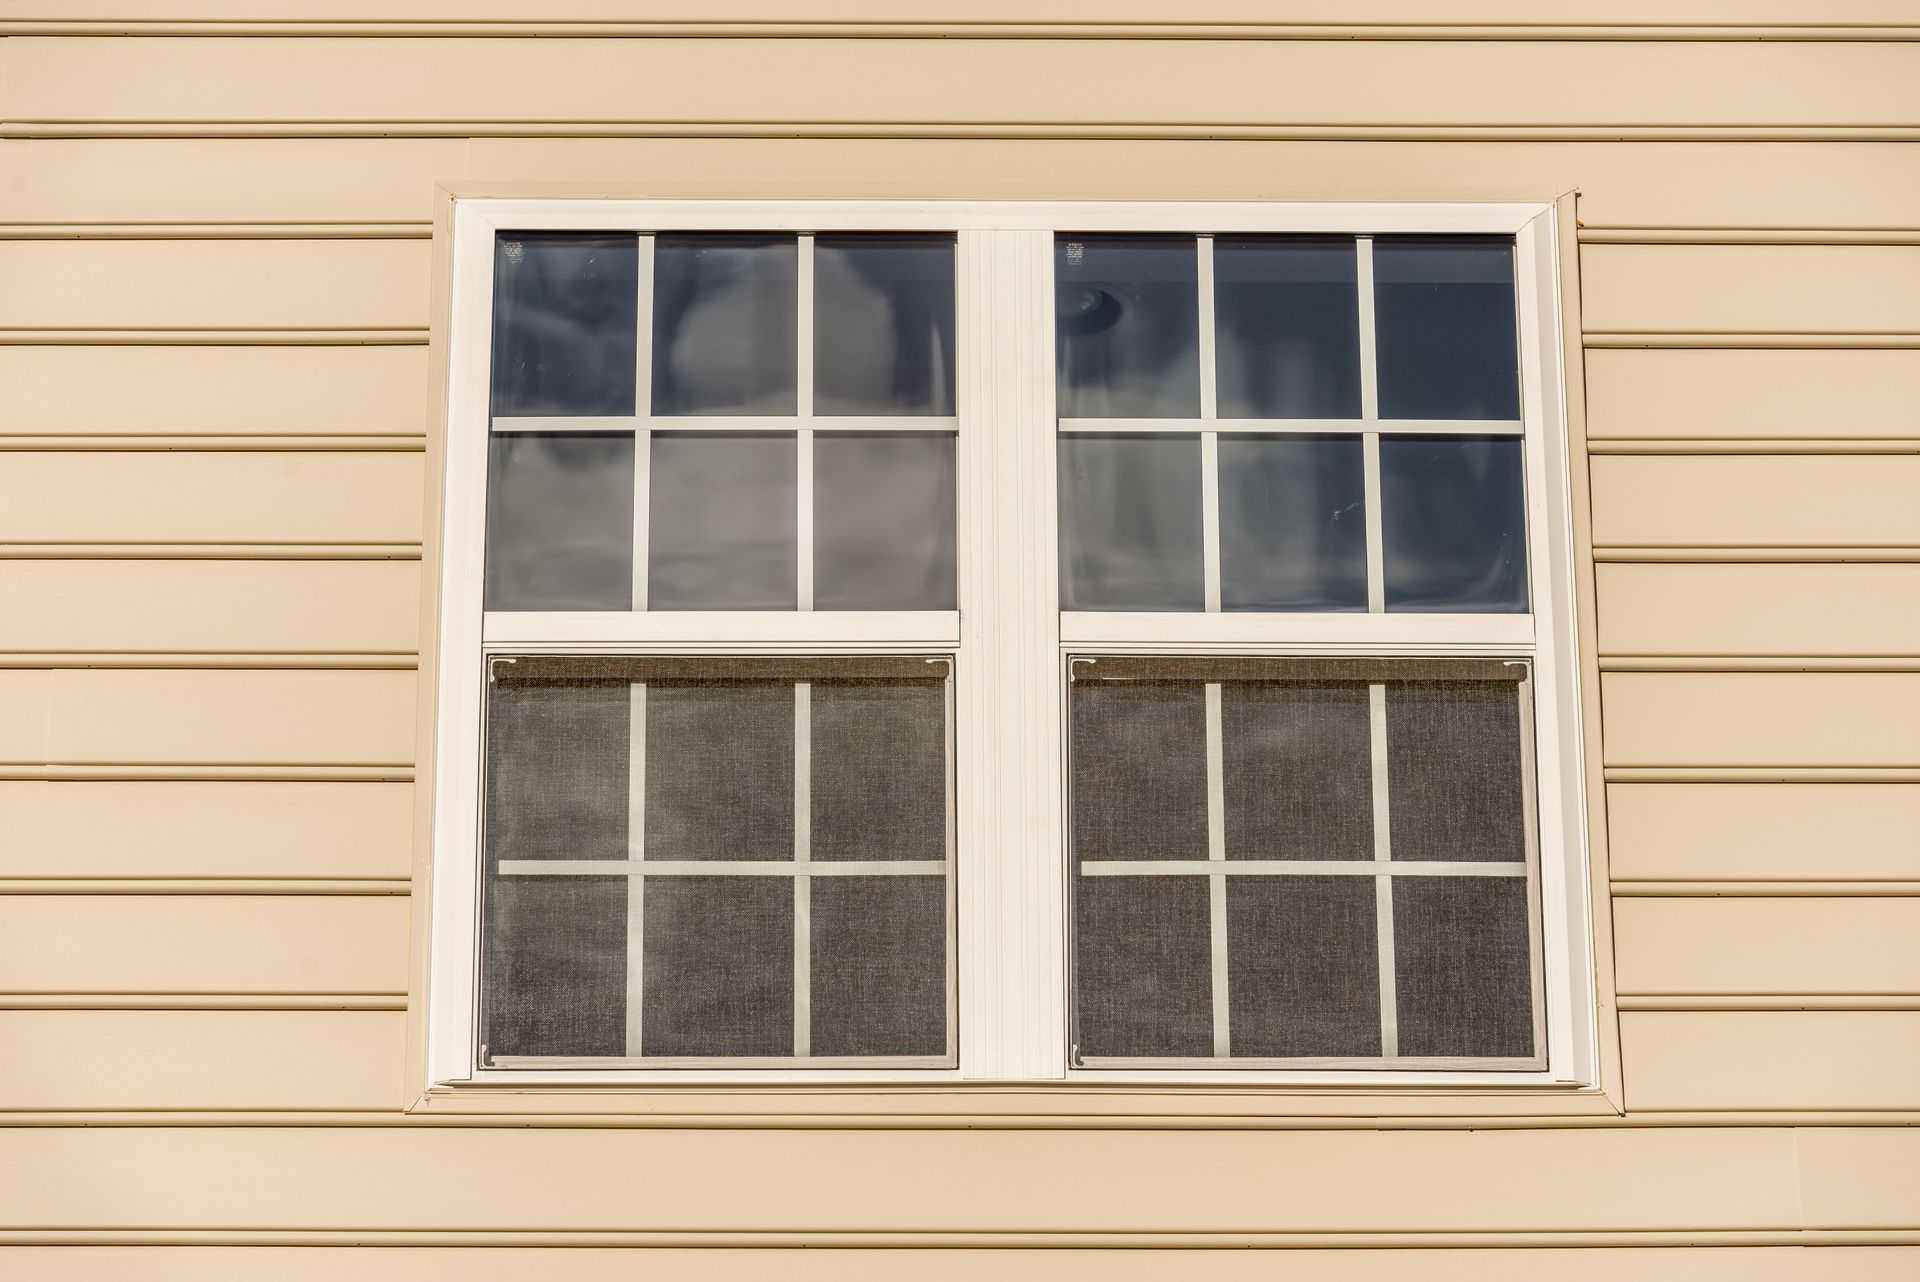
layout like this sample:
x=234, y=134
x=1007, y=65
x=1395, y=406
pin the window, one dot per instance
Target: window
x=1102, y=643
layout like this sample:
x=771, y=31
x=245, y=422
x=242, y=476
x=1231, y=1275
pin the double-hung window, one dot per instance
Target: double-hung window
x=1006, y=642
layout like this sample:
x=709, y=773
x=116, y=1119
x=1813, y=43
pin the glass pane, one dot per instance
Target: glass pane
x=1293, y=523
x=883, y=324
x=878, y=770
x=1455, y=772
x=1464, y=981
x=1142, y=974
x=1287, y=327
x=719, y=770
x=1303, y=967
x=879, y=966
x=883, y=523
x=1130, y=534
x=563, y=323
x=1139, y=769
x=1297, y=760
x=725, y=324
x=1446, y=329
x=555, y=967
x=559, y=521
x=723, y=522
x=1127, y=326
x=1453, y=524
x=718, y=966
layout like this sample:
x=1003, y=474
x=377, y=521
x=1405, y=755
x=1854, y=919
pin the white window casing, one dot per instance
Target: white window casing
x=1011, y=643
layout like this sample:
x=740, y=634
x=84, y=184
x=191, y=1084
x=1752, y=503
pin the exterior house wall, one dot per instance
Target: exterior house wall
x=217, y=252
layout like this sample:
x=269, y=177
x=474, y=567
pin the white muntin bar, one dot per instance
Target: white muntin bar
x=642, y=410
x=1285, y=426
x=588, y=424
x=1301, y=868
x=636, y=851
x=802, y=858
x=1217, y=882
x=1370, y=416
x=803, y=373
x=720, y=868
x=1383, y=884
x=1209, y=439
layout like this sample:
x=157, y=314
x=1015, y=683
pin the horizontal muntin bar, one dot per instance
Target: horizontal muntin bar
x=1301, y=868
x=1254, y=667
x=722, y=868
x=1422, y=633
x=536, y=628
x=1315, y=426
x=611, y=1063
x=593, y=423
x=1396, y=1063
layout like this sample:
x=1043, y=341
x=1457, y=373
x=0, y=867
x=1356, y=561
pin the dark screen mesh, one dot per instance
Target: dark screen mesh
x=879, y=770
x=555, y=966
x=1141, y=980
x=1454, y=771
x=1298, y=759
x=718, y=966
x=1139, y=771
x=1465, y=979
x=720, y=770
x=1303, y=966
x=879, y=961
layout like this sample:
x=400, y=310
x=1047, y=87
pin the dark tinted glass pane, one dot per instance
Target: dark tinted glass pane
x=559, y=521
x=1142, y=982
x=1297, y=770
x=883, y=324
x=1130, y=535
x=879, y=963
x=718, y=966
x=557, y=773
x=725, y=324
x=563, y=324
x=1303, y=969
x=879, y=771
x=1460, y=952
x=556, y=966
x=883, y=521
x=1287, y=327
x=1128, y=326
x=1455, y=773
x=719, y=770
x=1445, y=320
x=723, y=525
x=1453, y=524
x=1293, y=523
x=1139, y=765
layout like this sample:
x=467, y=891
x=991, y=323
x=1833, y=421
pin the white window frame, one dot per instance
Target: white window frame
x=1009, y=636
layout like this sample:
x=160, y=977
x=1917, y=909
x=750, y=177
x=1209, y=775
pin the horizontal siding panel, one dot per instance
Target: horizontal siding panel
x=228, y=180
x=236, y=717
x=1799, y=609
x=1791, y=1060
x=868, y=1264
x=1857, y=1176
x=210, y=497
x=1869, y=719
x=174, y=79
x=224, y=180
x=1768, y=945
x=1644, y=393
x=187, y=944
x=1773, y=288
x=148, y=829
x=1035, y=1180
x=202, y=1059
x=181, y=607
x=1756, y=501
x=1752, y=831
x=117, y=390
x=213, y=284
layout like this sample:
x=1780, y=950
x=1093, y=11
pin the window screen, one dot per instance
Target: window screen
x=1284, y=861
x=693, y=860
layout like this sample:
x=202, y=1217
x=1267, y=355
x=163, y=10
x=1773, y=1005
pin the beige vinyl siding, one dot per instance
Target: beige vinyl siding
x=215, y=238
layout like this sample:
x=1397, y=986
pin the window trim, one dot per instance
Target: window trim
x=1012, y=1000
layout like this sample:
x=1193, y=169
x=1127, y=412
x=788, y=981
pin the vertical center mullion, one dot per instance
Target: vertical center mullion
x=642, y=416
x=1370, y=439
x=802, y=858
x=804, y=445
x=1383, y=881
x=1217, y=875
x=636, y=851
x=1209, y=440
